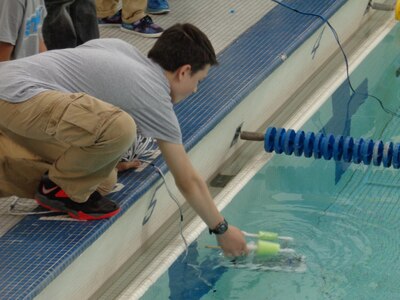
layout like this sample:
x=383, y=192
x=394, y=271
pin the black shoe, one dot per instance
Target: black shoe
x=51, y=196
x=112, y=21
x=144, y=27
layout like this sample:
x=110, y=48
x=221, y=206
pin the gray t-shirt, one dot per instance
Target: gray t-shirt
x=108, y=69
x=21, y=25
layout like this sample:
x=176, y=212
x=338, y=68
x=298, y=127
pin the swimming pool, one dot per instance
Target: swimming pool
x=342, y=216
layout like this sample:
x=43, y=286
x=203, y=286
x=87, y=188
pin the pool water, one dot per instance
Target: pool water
x=344, y=218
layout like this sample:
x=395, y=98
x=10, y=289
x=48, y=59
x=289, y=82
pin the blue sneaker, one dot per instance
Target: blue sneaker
x=112, y=21
x=144, y=27
x=157, y=7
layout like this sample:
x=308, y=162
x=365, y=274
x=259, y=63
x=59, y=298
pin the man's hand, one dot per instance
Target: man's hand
x=233, y=242
x=126, y=165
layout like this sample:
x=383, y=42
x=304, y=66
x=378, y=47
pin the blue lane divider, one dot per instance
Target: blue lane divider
x=328, y=146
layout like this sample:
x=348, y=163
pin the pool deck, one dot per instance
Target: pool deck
x=36, y=249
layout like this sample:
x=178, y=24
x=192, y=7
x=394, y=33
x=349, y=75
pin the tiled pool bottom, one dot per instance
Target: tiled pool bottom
x=346, y=232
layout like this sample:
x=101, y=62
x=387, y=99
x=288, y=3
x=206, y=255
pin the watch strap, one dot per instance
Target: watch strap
x=221, y=228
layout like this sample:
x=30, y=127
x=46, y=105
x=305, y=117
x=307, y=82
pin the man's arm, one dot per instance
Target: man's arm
x=6, y=50
x=42, y=45
x=196, y=193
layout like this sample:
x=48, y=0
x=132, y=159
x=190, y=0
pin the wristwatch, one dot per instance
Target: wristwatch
x=220, y=228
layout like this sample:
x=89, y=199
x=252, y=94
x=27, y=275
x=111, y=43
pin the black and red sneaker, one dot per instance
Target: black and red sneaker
x=52, y=197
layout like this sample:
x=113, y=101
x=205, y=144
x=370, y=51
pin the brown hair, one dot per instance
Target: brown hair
x=183, y=44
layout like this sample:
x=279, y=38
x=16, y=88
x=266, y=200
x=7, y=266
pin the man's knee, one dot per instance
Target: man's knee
x=125, y=129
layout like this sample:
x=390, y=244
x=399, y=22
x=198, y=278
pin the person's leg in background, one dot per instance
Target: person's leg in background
x=69, y=23
x=83, y=15
x=135, y=20
x=157, y=7
x=132, y=17
x=106, y=8
x=58, y=28
x=133, y=10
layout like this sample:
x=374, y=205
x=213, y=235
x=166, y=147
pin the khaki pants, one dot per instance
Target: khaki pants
x=132, y=10
x=20, y=170
x=78, y=138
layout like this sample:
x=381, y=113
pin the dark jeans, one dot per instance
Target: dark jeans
x=69, y=23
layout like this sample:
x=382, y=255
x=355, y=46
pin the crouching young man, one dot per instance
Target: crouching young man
x=76, y=111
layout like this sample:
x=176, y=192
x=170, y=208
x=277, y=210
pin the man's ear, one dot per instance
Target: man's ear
x=184, y=70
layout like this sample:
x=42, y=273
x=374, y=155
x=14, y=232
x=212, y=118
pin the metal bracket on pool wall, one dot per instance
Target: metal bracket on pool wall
x=395, y=6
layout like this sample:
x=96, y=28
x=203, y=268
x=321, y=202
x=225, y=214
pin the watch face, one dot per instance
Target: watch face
x=221, y=228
